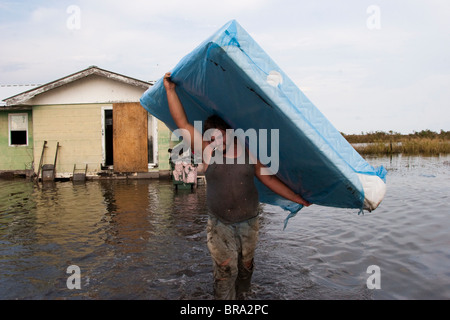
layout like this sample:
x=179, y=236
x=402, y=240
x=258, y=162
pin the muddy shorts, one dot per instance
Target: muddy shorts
x=232, y=248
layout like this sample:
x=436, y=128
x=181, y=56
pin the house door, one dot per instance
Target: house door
x=108, y=154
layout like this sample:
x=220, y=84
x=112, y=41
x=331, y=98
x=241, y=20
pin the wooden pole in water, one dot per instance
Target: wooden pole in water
x=40, y=162
x=54, y=164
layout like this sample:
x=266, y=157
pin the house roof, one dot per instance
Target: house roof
x=93, y=70
x=9, y=90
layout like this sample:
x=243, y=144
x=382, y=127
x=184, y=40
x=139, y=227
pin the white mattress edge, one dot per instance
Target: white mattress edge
x=374, y=190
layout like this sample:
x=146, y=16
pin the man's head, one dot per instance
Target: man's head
x=215, y=122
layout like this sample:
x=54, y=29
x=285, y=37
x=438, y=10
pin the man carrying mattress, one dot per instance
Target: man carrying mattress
x=232, y=197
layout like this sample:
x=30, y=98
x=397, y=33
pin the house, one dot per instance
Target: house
x=90, y=120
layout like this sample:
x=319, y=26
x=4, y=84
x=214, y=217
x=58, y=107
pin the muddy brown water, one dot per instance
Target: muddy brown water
x=141, y=239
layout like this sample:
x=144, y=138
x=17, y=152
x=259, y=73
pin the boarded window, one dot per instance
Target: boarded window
x=18, y=129
x=130, y=137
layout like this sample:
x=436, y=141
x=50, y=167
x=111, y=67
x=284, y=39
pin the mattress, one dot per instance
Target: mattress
x=230, y=75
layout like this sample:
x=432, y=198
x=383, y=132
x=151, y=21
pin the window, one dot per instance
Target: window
x=18, y=129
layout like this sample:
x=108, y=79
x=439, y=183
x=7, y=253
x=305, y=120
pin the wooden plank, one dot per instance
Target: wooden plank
x=130, y=137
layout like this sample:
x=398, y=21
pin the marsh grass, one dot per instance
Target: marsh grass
x=419, y=143
x=407, y=147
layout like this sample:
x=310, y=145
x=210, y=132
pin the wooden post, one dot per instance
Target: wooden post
x=40, y=162
x=54, y=164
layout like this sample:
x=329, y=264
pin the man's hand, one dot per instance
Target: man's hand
x=298, y=199
x=168, y=84
x=217, y=139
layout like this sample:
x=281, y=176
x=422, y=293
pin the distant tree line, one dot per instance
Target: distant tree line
x=391, y=136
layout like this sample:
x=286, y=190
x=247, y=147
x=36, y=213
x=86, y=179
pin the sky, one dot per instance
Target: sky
x=377, y=65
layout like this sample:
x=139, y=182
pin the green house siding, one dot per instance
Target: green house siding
x=15, y=157
x=164, y=143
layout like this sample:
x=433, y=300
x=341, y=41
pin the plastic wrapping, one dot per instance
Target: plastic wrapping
x=231, y=76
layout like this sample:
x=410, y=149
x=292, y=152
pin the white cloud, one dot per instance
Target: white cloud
x=44, y=14
x=197, y=10
x=353, y=74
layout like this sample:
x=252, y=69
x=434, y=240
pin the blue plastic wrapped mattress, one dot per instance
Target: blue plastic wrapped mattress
x=231, y=76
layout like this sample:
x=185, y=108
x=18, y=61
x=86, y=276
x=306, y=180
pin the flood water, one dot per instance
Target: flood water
x=141, y=239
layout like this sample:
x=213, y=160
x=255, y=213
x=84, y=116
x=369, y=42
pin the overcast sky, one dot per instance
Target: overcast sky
x=367, y=65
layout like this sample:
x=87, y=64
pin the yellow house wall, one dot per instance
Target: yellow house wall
x=77, y=128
